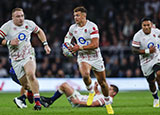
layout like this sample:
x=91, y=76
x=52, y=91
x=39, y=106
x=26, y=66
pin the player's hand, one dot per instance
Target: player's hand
x=75, y=100
x=152, y=49
x=47, y=49
x=14, y=42
x=74, y=49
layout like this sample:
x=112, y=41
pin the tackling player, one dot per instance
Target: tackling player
x=22, y=53
x=146, y=43
x=89, y=56
x=78, y=100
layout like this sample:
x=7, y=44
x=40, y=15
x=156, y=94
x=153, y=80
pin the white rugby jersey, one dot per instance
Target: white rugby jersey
x=10, y=31
x=84, y=98
x=99, y=98
x=83, y=36
x=143, y=41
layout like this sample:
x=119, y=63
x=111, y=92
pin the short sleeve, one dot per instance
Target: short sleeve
x=69, y=35
x=157, y=32
x=33, y=26
x=4, y=30
x=94, y=33
x=136, y=41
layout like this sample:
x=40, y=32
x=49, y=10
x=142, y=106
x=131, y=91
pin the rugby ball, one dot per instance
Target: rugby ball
x=65, y=49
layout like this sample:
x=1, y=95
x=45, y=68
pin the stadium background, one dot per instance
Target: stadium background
x=117, y=20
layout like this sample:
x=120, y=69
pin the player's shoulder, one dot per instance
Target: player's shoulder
x=72, y=27
x=155, y=30
x=27, y=21
x=8, y=23
x=90, y=23
x=139, y=33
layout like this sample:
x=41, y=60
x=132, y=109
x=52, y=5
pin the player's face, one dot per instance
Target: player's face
x=111, y=91
x=79, y=17
x=18, y=18
x=146, y=26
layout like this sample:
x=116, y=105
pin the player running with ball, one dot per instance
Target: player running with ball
x=146, y=43
x=89, y=56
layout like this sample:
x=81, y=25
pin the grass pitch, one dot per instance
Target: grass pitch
x=125, y=103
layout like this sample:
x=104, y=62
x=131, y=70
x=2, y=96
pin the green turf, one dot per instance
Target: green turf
x=125, y=103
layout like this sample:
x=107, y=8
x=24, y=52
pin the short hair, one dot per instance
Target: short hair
x=81, y=9
x=146, y=19
x=115, y=88
x=16, y=9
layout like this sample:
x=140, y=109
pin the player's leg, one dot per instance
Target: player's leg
x=20, y=101
x=29, y=93
x=64, y=88
x=22, y=91
x=158, y=82
x=85, y=69
x=156, y=69
x=101, y=78
x=152, y=86
x=30, y=68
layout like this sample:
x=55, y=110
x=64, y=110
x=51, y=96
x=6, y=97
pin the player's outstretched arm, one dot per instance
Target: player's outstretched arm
x=150, y=50
x=42, y=37
x=96, y=104
x=13, y=42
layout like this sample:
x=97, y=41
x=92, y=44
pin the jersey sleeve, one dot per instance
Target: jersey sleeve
x=4, y=30
x=33, y=26
x=69, y=35
x=157, y=32
x=94, y=32
x=101, y=101
x=136, y=41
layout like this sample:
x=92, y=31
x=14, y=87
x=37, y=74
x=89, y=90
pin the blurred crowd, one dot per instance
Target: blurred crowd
x=118, y=21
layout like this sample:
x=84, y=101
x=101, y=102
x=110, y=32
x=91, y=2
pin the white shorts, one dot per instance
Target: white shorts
x=97, y=64
x=18, y=65
x=147, y=68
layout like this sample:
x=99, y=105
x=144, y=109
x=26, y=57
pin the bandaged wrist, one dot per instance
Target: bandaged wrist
x=8, y=42
x=45, y=43
x=147, y=51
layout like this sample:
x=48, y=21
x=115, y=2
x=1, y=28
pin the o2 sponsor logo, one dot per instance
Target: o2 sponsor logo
x=152, y=44
x=82, y=41
x=22, y=37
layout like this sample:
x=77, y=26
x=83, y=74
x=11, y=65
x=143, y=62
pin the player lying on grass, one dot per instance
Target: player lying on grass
x=78, y=100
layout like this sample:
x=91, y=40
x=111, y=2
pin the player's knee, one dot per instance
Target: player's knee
x=31, y=76
x=85, y=74
x=63, y=85
x=158, y=74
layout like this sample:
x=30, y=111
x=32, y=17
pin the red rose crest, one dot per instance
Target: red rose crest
x=26, y=27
